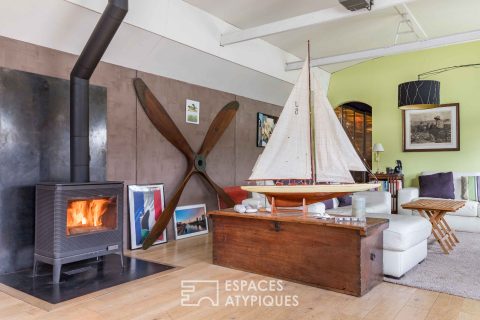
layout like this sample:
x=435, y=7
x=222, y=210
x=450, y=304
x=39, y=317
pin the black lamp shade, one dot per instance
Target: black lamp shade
x=421, y=94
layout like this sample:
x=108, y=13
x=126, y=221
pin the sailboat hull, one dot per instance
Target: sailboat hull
x=296, y=200
x=294, y=196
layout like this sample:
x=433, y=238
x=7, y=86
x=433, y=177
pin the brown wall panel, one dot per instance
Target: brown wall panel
x=136, y=152
x=159, y=161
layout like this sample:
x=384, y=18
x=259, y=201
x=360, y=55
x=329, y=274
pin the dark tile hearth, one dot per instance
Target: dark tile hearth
x=81, y=278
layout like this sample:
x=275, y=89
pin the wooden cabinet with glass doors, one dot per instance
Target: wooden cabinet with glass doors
x=356, y=119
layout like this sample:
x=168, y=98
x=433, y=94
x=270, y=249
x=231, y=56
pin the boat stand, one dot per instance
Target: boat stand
x=275, y=210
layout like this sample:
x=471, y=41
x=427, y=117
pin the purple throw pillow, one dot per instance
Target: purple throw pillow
x=344, y=201
x=438, y=185
x=328, y=204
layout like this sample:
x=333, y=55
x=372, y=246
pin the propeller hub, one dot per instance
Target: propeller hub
x=200, y=162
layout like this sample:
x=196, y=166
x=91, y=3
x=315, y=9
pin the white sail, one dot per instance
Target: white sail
x=287, y=154
x=335, y=154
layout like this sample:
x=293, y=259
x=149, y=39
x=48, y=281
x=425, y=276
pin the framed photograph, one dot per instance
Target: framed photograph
x=436, y=129
x=192, y=111
x=190, y=221
x=265, y=126
x=146, y=204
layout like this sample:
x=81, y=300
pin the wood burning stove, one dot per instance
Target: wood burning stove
x=77, y=221
x=81, y=219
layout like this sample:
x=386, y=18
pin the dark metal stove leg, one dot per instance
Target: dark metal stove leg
x=121, y=259
x=57, y=269
x=35, y=265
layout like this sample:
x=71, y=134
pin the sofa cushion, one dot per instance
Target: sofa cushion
x=457, y=180
x=344, y=211
x=235, y=193
x=466, y=224
x=328, y=204
x=438, y=185
x=347, y=210
x=404, y=232
x=375, y=202
x=469, y=210
x=471, y=188
x=344, y=201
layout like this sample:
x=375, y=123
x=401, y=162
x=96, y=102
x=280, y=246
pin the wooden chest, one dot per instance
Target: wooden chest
x=343, y=257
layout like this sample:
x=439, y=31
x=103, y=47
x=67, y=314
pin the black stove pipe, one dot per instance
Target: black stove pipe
x=91, y=54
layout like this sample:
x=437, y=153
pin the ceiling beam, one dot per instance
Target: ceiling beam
x=411, y=21
x=388, y=51
x=302, y=21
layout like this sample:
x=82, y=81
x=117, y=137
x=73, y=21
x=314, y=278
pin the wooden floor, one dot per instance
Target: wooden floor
x=159, y=297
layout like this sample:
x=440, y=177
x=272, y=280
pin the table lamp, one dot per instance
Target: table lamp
x=377, y=148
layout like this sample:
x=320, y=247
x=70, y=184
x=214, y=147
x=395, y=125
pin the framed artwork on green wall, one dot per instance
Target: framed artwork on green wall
x=436, y=129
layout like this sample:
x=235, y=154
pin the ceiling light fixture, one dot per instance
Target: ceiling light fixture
x=354, y=5
x=424, y=94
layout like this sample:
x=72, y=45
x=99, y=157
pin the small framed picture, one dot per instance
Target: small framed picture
x=146, y=204
x=190, y=221
x=436, y=129
x=265, y=126
x=192, y=111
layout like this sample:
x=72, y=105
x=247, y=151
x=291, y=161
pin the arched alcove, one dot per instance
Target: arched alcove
x=356, y=119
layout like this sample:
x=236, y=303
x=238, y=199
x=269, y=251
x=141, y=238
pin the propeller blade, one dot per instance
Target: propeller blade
x=167, y=214
x=221, y=193
x=218, y=127
x=160, y=118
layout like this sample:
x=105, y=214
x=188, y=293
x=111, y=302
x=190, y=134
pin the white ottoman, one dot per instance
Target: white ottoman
x=404, y=243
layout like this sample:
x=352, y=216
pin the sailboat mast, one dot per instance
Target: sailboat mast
x=312, y=121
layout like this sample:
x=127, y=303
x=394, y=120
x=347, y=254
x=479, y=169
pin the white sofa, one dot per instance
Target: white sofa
x=405, y=240
x=466, y=219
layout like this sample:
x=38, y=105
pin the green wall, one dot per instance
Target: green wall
x=375, y=82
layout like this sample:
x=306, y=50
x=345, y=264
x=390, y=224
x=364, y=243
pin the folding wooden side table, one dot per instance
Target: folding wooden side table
x=435, y=210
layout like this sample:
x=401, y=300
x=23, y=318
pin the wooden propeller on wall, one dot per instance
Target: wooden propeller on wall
x=196, y=161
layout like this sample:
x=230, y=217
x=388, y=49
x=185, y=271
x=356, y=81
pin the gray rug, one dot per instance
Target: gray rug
x=455, y=273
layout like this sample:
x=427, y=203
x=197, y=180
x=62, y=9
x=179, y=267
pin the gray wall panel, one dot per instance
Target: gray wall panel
x=34, y=147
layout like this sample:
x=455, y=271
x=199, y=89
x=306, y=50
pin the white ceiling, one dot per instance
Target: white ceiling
x=181, y=39
x=249, y=13
x=375, y=29
x=65, y=26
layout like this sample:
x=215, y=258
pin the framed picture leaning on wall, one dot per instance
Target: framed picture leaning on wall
x=436, y=129
x=190, y=221
x=265, y=126
x=146, y=204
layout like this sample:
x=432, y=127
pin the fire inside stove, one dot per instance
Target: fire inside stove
x=91, y=215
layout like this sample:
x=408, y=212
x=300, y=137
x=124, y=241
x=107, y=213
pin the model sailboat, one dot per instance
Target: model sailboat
x=308, y=146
